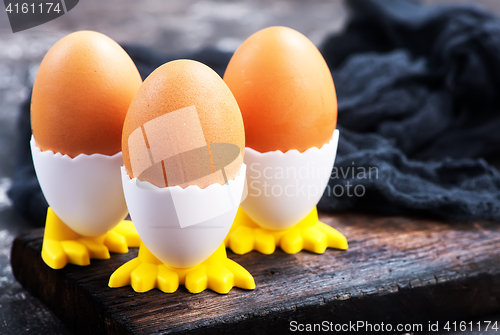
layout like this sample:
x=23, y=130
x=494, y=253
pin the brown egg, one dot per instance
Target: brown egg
x=285, y=91
x=81, y=94
x=183, y=128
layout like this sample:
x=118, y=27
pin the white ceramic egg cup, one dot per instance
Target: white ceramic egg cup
x=283, y=188
x=85, y=192
x=182, y=232
x=183, y=227
x=280, y=208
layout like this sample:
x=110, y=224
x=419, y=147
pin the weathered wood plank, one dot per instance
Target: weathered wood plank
x=397, y=270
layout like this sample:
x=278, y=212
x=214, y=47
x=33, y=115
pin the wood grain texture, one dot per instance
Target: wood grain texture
x=397, y=270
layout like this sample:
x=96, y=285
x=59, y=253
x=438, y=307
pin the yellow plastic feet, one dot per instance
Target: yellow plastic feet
x=61, y=245
x=309, y=234
x=217, y=273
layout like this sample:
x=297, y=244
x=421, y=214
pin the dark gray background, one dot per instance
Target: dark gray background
x=164, y=25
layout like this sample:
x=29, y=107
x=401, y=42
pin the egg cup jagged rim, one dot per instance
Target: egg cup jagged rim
x=146, y=185
x=60, y=155
x=333, y=139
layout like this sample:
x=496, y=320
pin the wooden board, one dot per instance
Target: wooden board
x=397, y=270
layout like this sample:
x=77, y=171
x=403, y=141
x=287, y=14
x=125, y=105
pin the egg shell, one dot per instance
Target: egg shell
x=167, y=224
x=284, y=89
x=183, y=127
x=85, y=192
x=284, y=187
x=81, y=95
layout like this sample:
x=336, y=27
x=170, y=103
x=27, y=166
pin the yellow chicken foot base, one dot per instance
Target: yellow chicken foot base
x=61, y=245
x=217, y=273
x=309, y=234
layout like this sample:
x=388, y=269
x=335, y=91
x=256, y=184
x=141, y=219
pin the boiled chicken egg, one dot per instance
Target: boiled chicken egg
x=287, y=99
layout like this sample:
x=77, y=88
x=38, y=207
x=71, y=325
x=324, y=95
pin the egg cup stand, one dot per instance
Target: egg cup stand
x=89, y=223
x=61, y=245
x=175, y=253
x=397, y=270
x=286, y=220
x=309, y=234
x=147, y=272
